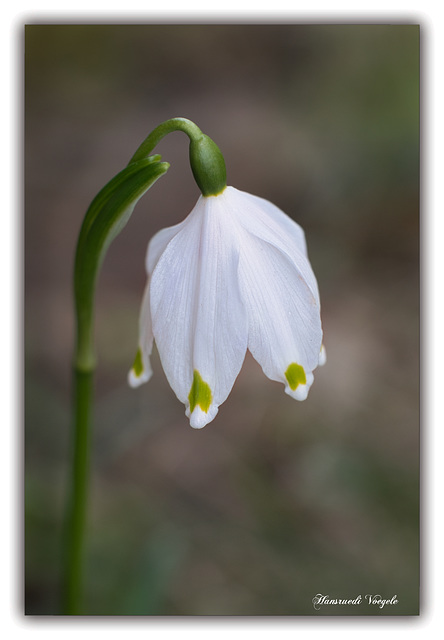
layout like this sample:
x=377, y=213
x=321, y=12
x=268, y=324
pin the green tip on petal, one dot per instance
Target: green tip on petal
x=140, y=372
x=295, y=375
x=138, y=364
x=200, y=393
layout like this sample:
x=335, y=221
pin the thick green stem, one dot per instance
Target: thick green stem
x=83, y=390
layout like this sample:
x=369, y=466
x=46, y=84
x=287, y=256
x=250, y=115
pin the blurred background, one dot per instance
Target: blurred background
x=275, y=501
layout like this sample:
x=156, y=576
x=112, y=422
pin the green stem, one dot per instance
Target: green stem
x=156, y=135
x=206, y=159
x=83, y=387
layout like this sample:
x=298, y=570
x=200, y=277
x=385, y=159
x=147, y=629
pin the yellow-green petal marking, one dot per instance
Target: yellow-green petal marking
x=138, y=364
x=200, y=393
x=295, y=375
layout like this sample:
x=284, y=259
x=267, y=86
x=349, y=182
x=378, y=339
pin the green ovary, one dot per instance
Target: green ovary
x=138, y=364
x=200, y=393
x=295, y=375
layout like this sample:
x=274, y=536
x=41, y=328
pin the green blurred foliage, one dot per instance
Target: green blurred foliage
x=275, y=501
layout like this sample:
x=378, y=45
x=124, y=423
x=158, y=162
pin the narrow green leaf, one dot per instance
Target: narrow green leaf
x=106, y=217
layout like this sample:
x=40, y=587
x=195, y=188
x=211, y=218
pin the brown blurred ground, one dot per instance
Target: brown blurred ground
x=275, y=501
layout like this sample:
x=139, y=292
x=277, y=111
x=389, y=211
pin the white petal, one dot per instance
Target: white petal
x=199, y=321
x=135, y=380
x=267, y=222
x=158, y=244
x=141, y=371
x=199, y=418
x=267, y=219
x=285, y=333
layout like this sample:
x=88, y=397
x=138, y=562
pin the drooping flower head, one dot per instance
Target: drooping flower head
x=234, y=275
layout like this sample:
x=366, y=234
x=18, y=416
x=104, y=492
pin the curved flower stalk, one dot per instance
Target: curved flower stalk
x=234, y=275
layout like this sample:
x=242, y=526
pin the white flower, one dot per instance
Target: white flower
x=234, y=275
